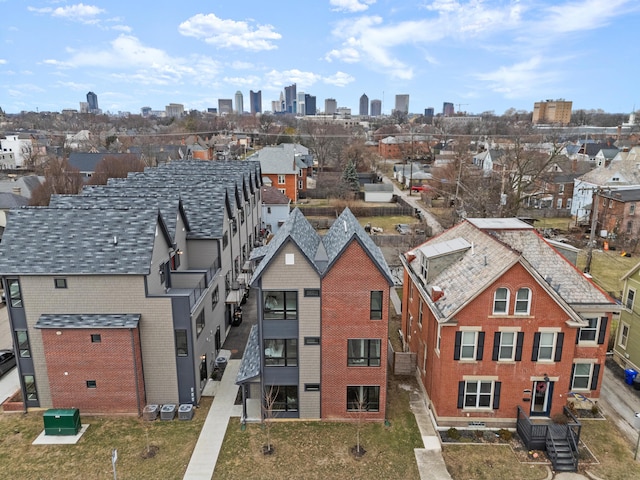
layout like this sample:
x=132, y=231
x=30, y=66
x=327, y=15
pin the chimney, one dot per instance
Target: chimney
x=436, y=293
x=17, y=190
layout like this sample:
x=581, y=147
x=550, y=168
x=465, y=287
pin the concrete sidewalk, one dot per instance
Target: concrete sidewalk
x=205, y=454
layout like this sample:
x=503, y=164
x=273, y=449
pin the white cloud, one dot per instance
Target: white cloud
x=229, y=33
x=122, y=28
x=351, y=5
x=79, y=12
x=584, y=15
x=240, y=65
x=520, y=79
x=140, y=63
x=3, y=61
x=250, y=81
x=339, y=79
x=276, y=79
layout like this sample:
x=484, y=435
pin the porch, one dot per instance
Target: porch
x=560, y=441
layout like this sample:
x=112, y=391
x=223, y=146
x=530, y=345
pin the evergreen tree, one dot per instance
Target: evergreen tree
x=350, y=177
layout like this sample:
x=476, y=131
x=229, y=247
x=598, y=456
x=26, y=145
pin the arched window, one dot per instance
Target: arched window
x=523, y=301
x=501, y=301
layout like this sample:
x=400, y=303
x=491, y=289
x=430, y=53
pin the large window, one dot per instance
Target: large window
x=547, y=346
x=363, y=353
x=469, y=345
x=363, y=398
x=30, y=387
x=281, y=352
x=200, y=323
x=624, y=335
x=376, y=305
x=523, y=301
x=631, y=295
x=479, y=394
x=15, y=295
x=284, y=398
x=585, y=376
x=280, y=305
x=182, y=346
x=23, y=343
x=500, y=301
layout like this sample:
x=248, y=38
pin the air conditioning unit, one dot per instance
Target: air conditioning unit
x=150, y=412
x=168, y=411
x=185, y=411
x=235, y=285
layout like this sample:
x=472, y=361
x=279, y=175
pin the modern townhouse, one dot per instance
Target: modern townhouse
x=122, y=296
x=499, y=320
x=319, y=349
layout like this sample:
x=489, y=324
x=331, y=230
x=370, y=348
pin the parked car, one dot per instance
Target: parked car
x=420, y=188
x=403, y=229
x=7, y=361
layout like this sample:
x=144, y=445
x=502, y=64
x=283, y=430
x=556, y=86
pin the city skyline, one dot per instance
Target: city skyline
x=481, y=56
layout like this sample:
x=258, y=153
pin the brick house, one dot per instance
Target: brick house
x=123, y=295
x=322, y=326
x=617, y=214
x=288, y=166
x=499, y=319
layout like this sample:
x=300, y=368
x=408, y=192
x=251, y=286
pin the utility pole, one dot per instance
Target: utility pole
x=592, y=234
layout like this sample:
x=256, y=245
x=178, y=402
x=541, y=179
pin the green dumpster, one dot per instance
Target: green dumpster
x=62, y=421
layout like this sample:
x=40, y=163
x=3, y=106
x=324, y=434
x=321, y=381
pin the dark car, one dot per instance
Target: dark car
x=7, y=361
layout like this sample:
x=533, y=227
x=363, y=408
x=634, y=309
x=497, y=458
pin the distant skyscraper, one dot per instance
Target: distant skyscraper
x=255, y=101
x=364, y=105
x=225, y=106
x=239, y=103
x=402, y=103
x=552, y=111
x=174, y=110
x=376, y=108
x=428, y=114
x=290, y=99
x=447, y=109
x=309, y=104
x=300, y=104
x=330, y=106
x=92, y=100
x=145, y=111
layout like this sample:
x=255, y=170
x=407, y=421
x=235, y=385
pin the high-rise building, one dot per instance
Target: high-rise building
x=92, y=100
x=290, y=99
x=376, y=108
x=225, y=106
x=145, y=111
x=239, y=103
x=300, y=104
x=552, y=111
x=402, y=103
x=330, y=106
x=174, y=110
x=255, y=101
x=310, y=104
x=447, y=109
x=364, y=105
x=429, y=114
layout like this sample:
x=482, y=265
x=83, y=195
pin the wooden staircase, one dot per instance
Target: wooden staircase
x=561, y=448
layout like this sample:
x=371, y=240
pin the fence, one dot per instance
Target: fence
x=401, y=363
x=357, y=210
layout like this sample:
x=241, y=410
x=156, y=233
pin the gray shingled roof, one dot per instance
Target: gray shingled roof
x=51, y=241
x=250, y=363
x=281, y=159
x=11, y=200
x=495, y=246
x=624, y=167
x=125, y=320
x=273, y=196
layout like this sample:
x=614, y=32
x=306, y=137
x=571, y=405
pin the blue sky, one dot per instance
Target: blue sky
x=481, y=54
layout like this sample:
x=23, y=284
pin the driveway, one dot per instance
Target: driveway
x=619, y=402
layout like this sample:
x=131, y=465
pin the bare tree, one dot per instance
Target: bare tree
x=60, y=178
x=358, y=408
x=116, y=166
x=325, y=140
x=268, y=414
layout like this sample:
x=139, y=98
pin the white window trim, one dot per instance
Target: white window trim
x=596, y=328
x=420, y=313
x=506, y=312
x=553, y=348
x=622, y=326
x=515, y=312
x=626, y=298
x=513, y=346
x=438, y=339
x=588, y=387
x=463, y=344
x=477, y=394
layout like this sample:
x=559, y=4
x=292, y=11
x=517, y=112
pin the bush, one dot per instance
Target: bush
x=505, y=434
x=560, y=419
x=453, y=433
x=594, y=409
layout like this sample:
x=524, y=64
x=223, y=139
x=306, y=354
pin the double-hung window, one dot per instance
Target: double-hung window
x=507, y=346
x=469, y=345
x=624, y=335
x=596, y=330
x=420, y=308
x=501, y=301
x=523, y=301
x=363, y=352
x=631, y=295
x=479, y=394
x=547, y=346
x=281, y=352
x=585, y=376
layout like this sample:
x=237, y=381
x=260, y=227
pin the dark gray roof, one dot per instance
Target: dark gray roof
x=378, y=187
x=87, y=162
x=124, y=320
x=624, y=195
x=11, y=200
x=250, y=363
x=52, y=241
x=273, y=196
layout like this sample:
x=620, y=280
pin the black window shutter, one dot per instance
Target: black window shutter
x=460, y=394
x=578, y=336
x=480, y=349
x=603, y=330
x=559, y=343
x=536, y=346
x=573, y=372
x=496, y=346
x=456, y=347
x=496, y=395
x=594, y=377
x=519, y=342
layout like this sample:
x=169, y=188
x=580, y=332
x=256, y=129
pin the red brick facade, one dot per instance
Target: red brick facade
x=291, y=186
x=114, y=363
x=441, y=373
x=346, y=294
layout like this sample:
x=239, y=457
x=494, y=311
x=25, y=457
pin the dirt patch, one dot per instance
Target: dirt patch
x=150, y=452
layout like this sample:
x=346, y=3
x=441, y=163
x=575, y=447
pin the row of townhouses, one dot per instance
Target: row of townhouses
x=123, y=295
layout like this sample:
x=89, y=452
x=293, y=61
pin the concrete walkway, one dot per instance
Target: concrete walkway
x=205, y=454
